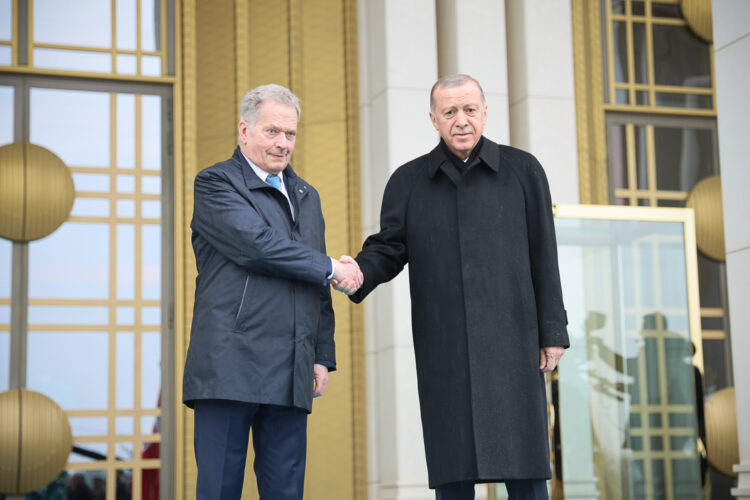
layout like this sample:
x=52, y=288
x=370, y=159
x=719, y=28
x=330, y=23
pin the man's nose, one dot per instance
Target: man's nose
x=282, y=142
x=461, y=119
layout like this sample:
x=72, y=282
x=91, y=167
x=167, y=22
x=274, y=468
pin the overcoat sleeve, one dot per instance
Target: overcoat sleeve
x=545, y=273
x=385, y=254
x=233, y=227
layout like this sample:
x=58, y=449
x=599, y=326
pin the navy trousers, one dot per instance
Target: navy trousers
x=518, y=489
x=222, y=430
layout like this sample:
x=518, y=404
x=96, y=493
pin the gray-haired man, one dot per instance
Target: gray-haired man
x=262, y=336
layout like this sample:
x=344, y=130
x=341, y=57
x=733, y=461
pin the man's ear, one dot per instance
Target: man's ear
x=242, y=129
x=433, y=119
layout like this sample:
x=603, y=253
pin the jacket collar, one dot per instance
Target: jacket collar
x=295, y=186
x=489, y=155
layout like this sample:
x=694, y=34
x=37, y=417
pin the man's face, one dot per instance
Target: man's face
x=459, y=116
x=270, y=142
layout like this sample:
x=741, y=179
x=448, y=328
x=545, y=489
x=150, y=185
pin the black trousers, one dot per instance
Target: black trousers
x=518, y=489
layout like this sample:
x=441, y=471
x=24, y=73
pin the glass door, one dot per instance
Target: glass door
x=97, y=314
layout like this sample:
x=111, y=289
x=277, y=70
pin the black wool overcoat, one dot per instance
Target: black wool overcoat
x=485, y=296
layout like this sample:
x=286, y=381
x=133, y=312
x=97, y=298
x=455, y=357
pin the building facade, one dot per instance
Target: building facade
x=634, y=105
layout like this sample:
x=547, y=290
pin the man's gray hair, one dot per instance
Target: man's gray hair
x=452, y=81
x=253, y=100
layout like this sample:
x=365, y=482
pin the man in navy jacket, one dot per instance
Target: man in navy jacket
x=262, y=336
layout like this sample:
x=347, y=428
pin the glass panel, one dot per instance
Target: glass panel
x=90, y=207
x=68, y=315
x=6, y=254
x=6, y=20
x=683, y=157
x=680, y=57
x=88, y=452
x=6, y=55
x=4, y=360
x=73, y=484
x=125, y=261
x=125, y=315
x=622, y=96
x=126, y=184
x=124, y=426
x=637, y=8
x=666, y=10
x=618, y=6
x=618, y=158
x=74, y=124
x=125, y=371
x=641, y=155
x=125, y=130
x=151, y=65
x=88, y=426
x=151, y=132
x=7, y=115
x=715, y=376
x=89, y=24
x=150, y=184
x=640, y=53
x=126, y=25
x=150, y=29
x=620, y=48
x=641, y=97
x=151, y=374
x=84, y=249
x=151, y=258
x=151, y=209
x=74, y=60
x=125, y=208
x=127, y=64
x=98, y=183
x=69, y=367
x=692, y=101
x=611, y=378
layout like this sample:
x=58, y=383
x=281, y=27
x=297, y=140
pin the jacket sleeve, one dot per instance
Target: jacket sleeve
x=233, y=227
x=325, y=347
x=385, y=254
x=545, y=273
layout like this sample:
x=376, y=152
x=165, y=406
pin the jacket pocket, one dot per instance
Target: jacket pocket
x=242, y=302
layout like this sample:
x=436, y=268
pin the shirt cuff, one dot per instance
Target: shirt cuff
x=327, y=364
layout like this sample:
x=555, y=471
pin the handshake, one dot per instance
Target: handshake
x=347, y=276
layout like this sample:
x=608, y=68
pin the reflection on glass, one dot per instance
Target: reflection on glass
x=90, y=207
x=124, y=425
x=151, y=65
x=125, y=261
x=124, y=485
x=126, y=25
x=84, y=248
x=88, y=452
x=151, y=260
x=127, y=64
x=69, y=367
x=680, y=57
x=125, y=130
x=151, y=370
x=88, y=426
x=6, y=254
x=6, y=55
x=73, y=124
x=620, y=50
x=151, y=132
x=627, y=386
x=125, y=370
x=74, y=60
x=98, y=183
x=4, y=360
x=150, y=29
x=640, y=53
x=641, y=157
x=691, y=101
x=6, y=114
x=6, y=20
x=88, y=25
x=684, y=156
x=73, y=484
x=68, y=315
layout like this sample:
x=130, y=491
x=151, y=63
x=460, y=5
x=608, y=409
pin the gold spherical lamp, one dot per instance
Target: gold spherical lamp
x=705, y=200
x=698, y=16
x=35, y=441
x=36, y=192
x=721, y=431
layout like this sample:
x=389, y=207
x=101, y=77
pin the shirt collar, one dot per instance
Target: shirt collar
x=262, y=174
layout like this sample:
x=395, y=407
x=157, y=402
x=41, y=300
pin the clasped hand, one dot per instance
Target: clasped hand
x=347, y=276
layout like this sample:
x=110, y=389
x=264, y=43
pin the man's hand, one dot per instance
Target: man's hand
x=320, y=373
x=347, y=277
x=549, y=357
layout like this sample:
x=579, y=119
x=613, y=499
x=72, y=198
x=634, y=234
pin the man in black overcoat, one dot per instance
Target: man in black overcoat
x=473, y=219
x=261, y=342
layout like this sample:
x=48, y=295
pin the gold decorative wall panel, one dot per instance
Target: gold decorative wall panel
x=309, y=47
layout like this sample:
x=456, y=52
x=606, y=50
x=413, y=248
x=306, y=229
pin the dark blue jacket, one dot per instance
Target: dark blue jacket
x=262, y=313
